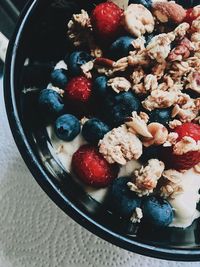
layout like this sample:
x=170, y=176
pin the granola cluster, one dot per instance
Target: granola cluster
x=80, y=33
x=145, y=180
x=120, y=145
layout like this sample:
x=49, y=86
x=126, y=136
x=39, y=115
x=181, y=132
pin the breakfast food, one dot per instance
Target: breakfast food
x=124, y=108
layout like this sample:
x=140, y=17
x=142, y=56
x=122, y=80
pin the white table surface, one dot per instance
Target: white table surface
x=35, y=232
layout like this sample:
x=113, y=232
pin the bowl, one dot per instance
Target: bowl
x=38, y=42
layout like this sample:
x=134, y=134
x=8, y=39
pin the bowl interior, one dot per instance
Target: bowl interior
x=42, y=40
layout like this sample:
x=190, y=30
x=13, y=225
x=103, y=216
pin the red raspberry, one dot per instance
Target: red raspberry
x=90, y=167
x=189, y=159
x=106, y=20
x=185, y=161
x=79, y=89
x=192, y=14
x=188, y=129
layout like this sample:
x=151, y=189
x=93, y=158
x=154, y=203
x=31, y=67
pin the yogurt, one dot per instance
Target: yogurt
x=184, y=204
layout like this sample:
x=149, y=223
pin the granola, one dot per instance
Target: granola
x=120, y=145
x=138, y=126
x=119, y=84
x=160, y=46
x=137, y=216
x=145, y=180
x=137, y=76
x=171, y=184
x=159, y=134
x=160, y=99
x=109, y=67
x=138, y=20
x=186, y=144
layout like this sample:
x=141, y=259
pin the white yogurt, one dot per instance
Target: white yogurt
x=184, y=204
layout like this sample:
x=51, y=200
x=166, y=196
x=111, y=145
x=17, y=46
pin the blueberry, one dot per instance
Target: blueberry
x=76, y=60
x=50, y=103
x=67, y=127
x=121, y=47
x=146, y=3
x=157, y=211
x=121, y=200
x=151, y=152
x=119, y=107
x=94, y=130
x=187, y=3
x=59, y=78
x=162, y=116
x=100, y=86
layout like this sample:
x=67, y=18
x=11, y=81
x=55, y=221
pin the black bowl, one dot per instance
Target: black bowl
x=40, y=36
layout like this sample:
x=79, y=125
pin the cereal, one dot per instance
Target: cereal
x=144, y=181
x=120, y=145
x=159, y=46
x=119, y=84
x=171, y=187
x=159, y=135
x=160, y=99
x=138, y=20
x=138, y=126
x=187, y=144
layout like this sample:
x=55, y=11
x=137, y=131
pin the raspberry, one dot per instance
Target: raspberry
x=79, y=89
x=106, y=20
x=188, y=129
x=91, y=168
x=188, y=160
x=192, y=14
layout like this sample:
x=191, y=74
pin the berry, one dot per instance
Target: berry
x=188, y=129
x=76, y=60
x=192, y=14
x=119, y=107
x=91, y=168
x=106, y=21
x=94, y=130
x=146, y=3
x=67, y=127
x=59, y=78
x=79, y=89
x=100, y=86
x=50, y=103
x=121, y=47
x=157, y=211
x=187, y=160
x=188, y=3
x=121, y=199
x=162, y=116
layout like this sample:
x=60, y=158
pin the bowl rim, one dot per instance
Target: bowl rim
x=45, y=182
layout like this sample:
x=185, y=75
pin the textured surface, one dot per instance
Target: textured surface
x=34, y=232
